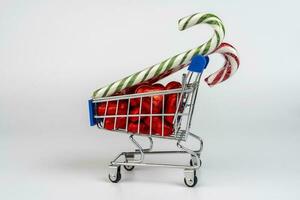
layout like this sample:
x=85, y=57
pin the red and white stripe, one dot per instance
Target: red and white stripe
x=231, y=65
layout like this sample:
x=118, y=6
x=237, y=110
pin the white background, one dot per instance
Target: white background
x=53, y=54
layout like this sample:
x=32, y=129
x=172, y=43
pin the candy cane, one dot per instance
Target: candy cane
x=174, y=63
x=230, y=67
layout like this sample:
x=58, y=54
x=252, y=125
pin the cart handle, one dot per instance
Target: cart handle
x=198, y=63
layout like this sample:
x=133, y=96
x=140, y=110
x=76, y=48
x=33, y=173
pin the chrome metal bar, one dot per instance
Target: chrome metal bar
x=159, y=152
x=127, y=118
x=155, y=165
x=145, y=150
x=151, y=112
x=117, y=157
x=198, y=165
x=187, y=89
x=190, y=110
x=151, y=145
x=137, y=115
x=163, y=118
x=105, y=113
x=116, y=112
x=140, y=149
x=198, y=151
x=197, y=82
x=175, y=121
x=142, y=135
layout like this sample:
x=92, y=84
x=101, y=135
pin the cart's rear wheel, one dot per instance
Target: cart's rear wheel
x=116, y=177
x=129, y=167
x=191, y=182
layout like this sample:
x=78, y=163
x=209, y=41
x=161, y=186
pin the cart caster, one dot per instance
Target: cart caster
x=114, y=174
x=190, y=178
x=193, y=162
x=128, y=167
x=191, y=182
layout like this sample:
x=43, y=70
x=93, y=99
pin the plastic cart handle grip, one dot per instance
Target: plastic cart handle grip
x=198, y=63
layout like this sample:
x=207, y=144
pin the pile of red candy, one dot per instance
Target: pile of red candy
x=170, y=102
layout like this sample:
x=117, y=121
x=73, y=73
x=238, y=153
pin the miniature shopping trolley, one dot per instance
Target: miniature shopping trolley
x=186, y=98
x=117, y=93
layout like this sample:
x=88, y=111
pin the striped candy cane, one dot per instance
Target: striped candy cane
x=174, y=63
x=230, y=67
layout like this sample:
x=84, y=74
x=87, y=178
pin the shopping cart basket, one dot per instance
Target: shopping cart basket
x=182, y=119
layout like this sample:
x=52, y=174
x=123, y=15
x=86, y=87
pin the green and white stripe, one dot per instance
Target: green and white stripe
x=175, y=61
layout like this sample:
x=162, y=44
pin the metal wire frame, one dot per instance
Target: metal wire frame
x=185, y=104
x=186, y=97
x=142, y=152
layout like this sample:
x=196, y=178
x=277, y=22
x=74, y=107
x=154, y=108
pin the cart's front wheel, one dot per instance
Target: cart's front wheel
x=191, y=182
x=129, y=167
x=115, y=177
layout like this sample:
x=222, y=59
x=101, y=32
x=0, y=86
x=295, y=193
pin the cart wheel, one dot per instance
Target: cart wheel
x=115, y=177
x=128, y=167
x=191, y=182
x=192, y=163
